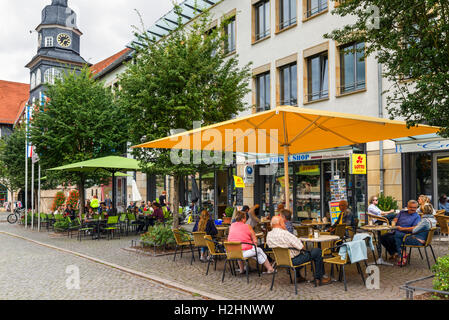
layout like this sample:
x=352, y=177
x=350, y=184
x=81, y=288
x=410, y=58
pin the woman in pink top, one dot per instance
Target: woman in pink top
x=242, y=232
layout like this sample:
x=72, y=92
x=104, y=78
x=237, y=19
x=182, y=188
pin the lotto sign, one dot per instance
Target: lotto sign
x=358, y=164
x=335, y=211
x=239, y=182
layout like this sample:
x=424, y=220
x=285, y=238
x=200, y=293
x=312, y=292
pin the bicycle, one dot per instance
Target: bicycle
x=15, y=216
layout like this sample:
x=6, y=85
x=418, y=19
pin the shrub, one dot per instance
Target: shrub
x=160, y=235
x=61, y=225
x=58, y=201
x=441, y=269
x=387, y=203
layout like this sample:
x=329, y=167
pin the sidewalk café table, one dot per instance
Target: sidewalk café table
x=222, y=231
x=377, y=232
x=318, y=241
x=96, y=223
x=315, y=224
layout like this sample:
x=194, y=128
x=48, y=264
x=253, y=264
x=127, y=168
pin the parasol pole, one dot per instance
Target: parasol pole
x=286, y=178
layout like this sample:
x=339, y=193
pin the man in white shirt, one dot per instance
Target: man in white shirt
x=279, y=237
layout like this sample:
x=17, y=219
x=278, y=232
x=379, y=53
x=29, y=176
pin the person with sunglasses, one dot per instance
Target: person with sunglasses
x=375, y=210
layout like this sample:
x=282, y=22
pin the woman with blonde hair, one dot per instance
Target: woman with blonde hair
x=422, y=201
x=205, y=224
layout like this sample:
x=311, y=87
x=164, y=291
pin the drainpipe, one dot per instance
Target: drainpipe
x=381, y=115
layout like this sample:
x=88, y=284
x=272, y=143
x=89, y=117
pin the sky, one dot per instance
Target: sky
x=106, y=26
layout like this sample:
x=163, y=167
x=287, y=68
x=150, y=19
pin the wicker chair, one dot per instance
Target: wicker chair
x=198, y=243
x=338, y=262
x=283, y=260
x=443, y=223
x=234, y=253
x=180, y=243
x=425, y=246
x=211, y=246
x=302, y=231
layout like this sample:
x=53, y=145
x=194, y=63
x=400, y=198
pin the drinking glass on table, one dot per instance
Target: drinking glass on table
x=310, y=233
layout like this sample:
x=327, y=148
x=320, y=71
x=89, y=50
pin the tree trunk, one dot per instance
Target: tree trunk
x=81, y=191
x=175, y=208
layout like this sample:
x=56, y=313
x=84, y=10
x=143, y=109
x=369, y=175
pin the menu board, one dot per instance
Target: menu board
x=239, y=196
x=335, y=211
x=338, y=189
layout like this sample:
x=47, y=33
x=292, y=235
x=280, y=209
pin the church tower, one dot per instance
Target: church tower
x=58, y=47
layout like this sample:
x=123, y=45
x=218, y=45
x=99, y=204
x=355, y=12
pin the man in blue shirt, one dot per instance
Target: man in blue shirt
x=405, y=222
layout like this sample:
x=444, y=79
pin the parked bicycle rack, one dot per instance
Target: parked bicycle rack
x=410, y=290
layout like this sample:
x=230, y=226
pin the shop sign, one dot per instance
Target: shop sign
x=358, y=164
x=423, y=147
x=309, y=170
x=302, y=157
x=335, y=211
x=238, y=182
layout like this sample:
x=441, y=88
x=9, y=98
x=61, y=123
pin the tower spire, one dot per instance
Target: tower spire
x=62, y=3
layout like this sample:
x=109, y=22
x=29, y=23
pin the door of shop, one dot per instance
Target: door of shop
x=440, y=176
x=337, y=184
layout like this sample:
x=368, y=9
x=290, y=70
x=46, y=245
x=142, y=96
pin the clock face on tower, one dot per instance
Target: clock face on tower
x=64, y=40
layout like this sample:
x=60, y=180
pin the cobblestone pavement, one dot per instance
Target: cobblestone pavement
x=193, y=276
x=31, y=271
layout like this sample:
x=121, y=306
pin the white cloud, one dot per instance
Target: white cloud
x=106, y=25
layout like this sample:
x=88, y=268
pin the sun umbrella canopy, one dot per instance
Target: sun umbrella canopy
x=111, y=164
x=302, y=130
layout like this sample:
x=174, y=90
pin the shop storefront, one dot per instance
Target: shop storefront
x=316, y=179
x=425, y=168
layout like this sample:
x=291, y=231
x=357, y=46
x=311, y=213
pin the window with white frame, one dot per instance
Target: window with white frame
x=38, y=77
x=49, y=41
x=51, y=74
x=33, y=80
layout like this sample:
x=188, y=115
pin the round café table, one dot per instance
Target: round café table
x=320, y=240
x=376, y=230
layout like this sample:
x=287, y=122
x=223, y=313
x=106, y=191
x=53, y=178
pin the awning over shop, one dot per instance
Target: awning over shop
x=422, y=143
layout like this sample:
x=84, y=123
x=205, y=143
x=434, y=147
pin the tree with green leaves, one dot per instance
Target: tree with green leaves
x=409, y=38
x=81, y=121
x=185, y=77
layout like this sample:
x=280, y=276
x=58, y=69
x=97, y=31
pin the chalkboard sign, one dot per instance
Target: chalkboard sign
x=239, y=196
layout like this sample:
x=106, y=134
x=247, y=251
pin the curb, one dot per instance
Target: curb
x=154, y=278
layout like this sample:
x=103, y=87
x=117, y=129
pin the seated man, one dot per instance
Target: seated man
x=287, y=217
x=278, y=237
x=406, y=221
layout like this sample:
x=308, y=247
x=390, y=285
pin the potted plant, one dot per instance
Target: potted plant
x=228, y=215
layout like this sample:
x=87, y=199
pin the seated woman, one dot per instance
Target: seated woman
x=422, y=201
x=419, y=233
x=205, y=224
x=242, y=232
